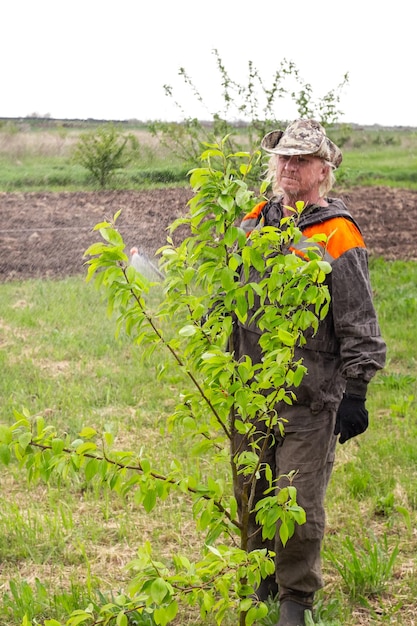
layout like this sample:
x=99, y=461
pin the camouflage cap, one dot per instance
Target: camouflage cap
x=303, y=137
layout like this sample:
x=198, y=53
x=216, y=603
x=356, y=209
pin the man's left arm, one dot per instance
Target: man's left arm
x=362, y=348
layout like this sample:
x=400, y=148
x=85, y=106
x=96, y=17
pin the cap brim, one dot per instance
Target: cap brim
x=271, y=140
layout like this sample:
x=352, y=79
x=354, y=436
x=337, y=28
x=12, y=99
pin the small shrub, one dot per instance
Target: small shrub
x=103, y=152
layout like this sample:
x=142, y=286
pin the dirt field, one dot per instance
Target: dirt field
x=46, y=234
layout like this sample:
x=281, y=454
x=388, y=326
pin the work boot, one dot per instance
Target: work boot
x=291, y=613
x=267, y=590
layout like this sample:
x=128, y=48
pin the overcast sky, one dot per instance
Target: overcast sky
x=107, y=59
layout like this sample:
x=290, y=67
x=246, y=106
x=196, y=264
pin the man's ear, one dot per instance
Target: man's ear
x=324, y=171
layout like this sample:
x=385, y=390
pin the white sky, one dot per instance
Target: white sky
x=108, y=59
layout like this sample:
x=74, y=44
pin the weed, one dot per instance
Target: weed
x=364, y=569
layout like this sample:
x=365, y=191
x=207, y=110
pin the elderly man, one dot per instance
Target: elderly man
x=341, y=357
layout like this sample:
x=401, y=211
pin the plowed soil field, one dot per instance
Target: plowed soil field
x=45, y=235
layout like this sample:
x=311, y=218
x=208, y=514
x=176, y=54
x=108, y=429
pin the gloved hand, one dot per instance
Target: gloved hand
x=352, y=417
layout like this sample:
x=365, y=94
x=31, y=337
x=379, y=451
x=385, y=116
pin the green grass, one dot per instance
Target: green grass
x=390, y=166
x=33, y=158
x=65, y=545
x=33, y=173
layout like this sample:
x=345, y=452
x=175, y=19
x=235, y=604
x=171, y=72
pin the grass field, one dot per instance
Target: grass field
x=35, y=156
x=63, y=546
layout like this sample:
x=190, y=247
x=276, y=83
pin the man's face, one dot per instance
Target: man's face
x=300, y=176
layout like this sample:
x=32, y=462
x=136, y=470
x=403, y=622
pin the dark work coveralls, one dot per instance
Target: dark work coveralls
x=343, y=355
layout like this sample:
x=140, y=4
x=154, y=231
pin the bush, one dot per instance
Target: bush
x=102, y=152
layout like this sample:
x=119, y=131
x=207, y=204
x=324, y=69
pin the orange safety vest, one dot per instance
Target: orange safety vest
x=341, y=231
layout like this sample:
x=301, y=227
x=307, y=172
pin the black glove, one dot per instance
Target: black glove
x=352, y=417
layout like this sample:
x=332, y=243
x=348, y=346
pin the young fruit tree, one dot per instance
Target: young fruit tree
x=103, y=152
x=190, y=318
x=256, y=104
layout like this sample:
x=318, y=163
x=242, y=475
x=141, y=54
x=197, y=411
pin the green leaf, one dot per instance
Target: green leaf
x=159, y=590
x=6, y=435
x=211, y=153
x=325, y=267
x=57, y=445
x=257, y=260
x=108, y=438
x=226, y=202
x=112, y=236
x=78, y=617
x=256, y=613
x=171, y=611
x=298, y=514
x=5, y=454
x=286, y=337
x=244, y=169
x=282, y=495
x=96, y=248
x=121, y=619
x=87, y=432
x=284, y=532
x=86, y=446
x=299, y=375
x=242, y=307
x=24, y=440
x=187, y=331
x=91, y=469
x=231, y=235
x=145, y=466
x=245, y=605
x=149, y=500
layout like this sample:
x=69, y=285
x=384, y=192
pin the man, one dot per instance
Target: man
x=341, y=358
